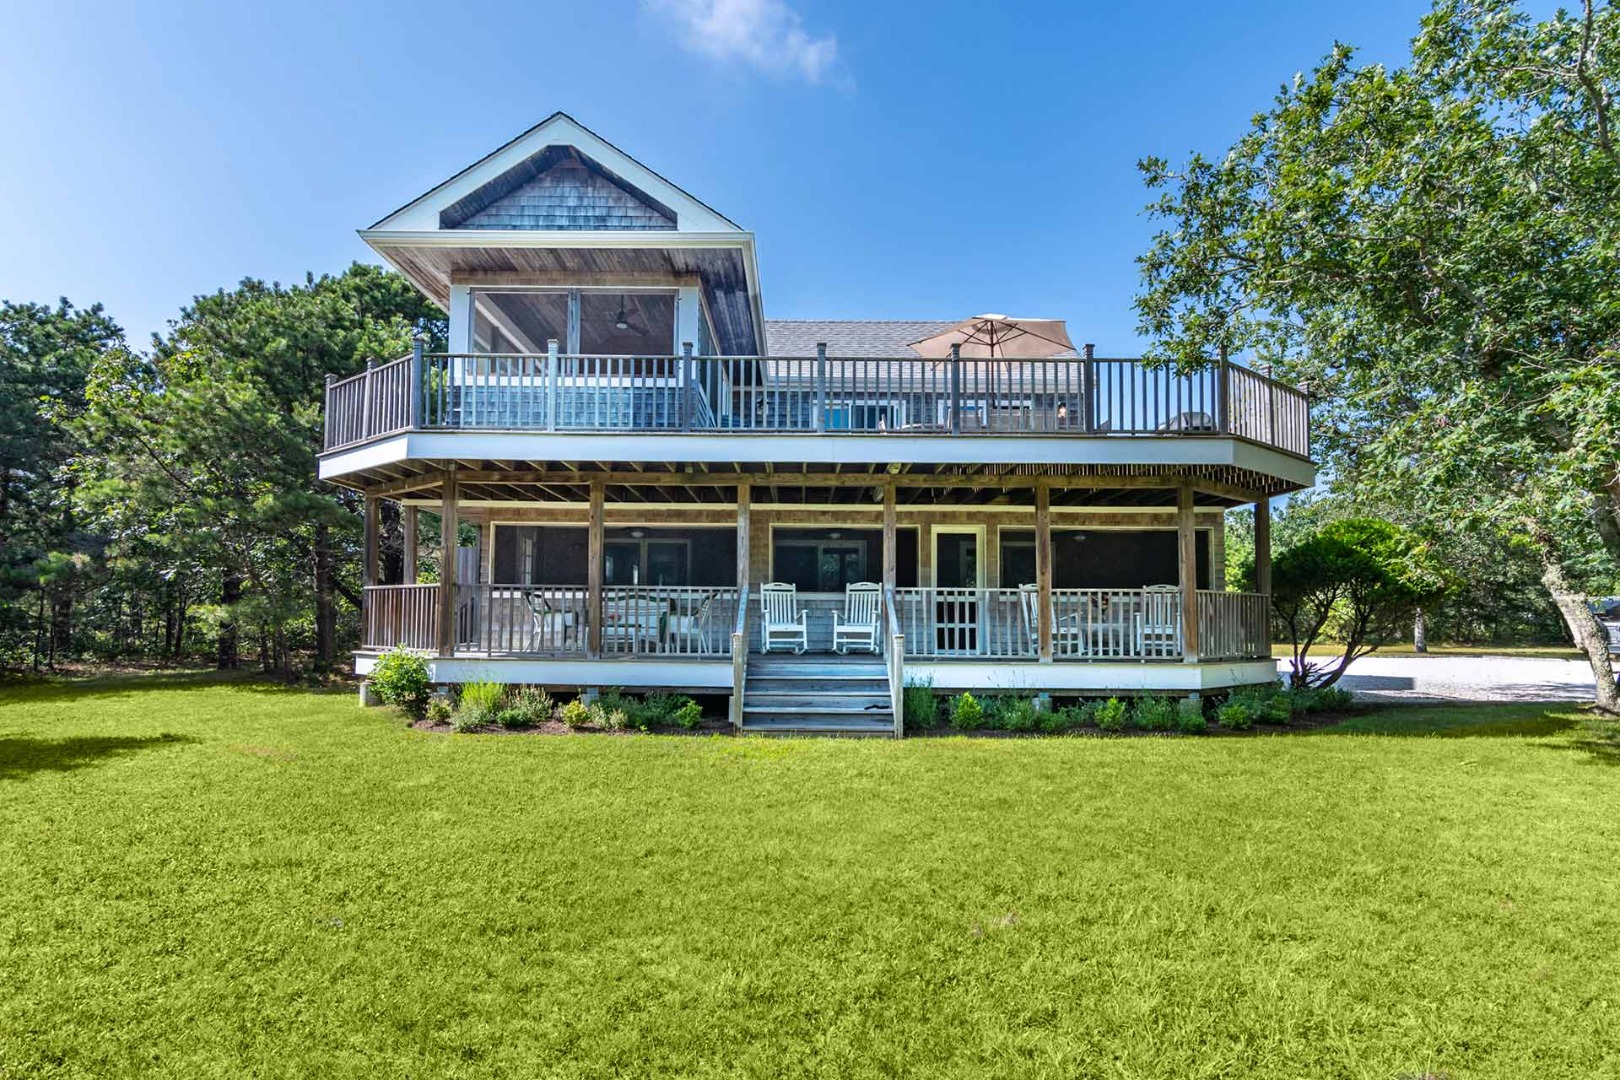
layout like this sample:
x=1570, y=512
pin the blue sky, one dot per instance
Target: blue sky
x=895, y=160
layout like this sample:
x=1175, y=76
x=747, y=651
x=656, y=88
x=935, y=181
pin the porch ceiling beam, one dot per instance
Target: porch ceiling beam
x=1010, y=482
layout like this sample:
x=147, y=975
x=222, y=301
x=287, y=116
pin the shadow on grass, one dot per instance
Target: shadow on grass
x=112, y=686
x=21, y=756
x=1463, y=721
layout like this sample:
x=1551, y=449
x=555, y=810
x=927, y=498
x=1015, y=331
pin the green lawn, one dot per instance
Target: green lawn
x=201, y=880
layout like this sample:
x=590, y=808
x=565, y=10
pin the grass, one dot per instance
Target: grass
x=207, y=879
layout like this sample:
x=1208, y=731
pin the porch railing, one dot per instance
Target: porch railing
x=700, y=622
x=839, y=395
x=1234, y=625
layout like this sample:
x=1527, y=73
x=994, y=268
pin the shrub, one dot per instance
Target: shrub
x=1154, y=713
x=439, y=710
x=479, y=705
x=1018, y=714
x=576, y=714
x=1068, y=718
x=609, y=719
x=1110, y=715
x=689, y=715
x=528, y=707
x=966, y=712
x=1190, y=717
x=401, y=678
x=919, y=706
x=1235, y=715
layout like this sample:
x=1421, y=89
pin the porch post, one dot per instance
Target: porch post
x=593, y=573
x=891, y=559
x=739, y=634
x=1043, y=570
x=368, y=572
x=1262, y=546
x=407, y=523
x=1088, y=413
x=925, y=553
x=956, y=390
x=449, y=526
x=821, y=386
x=1187, y=542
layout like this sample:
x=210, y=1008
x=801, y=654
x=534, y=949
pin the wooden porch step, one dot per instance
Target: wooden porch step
x=843, y=703
x=818, y=725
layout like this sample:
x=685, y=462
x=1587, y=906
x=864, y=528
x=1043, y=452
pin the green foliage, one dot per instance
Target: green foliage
x=1154, y=713
x=1433, y=248
x=576, y=714
x=527, y=707
x=966, y=712
x=1319, y=699
x=439, y=710
x=400, y=677
x=920, y=706
x=1011, y=712
x=1235, y=715
x=1110, y=715
x=1357, y=579
x=478, y=704
x=689, y=715
x=1190, y=719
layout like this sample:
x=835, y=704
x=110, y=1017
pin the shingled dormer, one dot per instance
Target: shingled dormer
x=558, y=188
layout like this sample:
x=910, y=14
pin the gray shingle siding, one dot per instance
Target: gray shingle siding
x=568, y=198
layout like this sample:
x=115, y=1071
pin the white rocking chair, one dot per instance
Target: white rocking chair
x=782, y=623
x=1067, y=637
x=859, y=624
x=1159, y=633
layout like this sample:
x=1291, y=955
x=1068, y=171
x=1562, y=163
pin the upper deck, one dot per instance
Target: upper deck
x=817, y=409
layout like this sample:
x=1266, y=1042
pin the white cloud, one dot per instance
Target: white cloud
x=765, y=34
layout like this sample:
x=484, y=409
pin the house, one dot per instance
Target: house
x=639, y=452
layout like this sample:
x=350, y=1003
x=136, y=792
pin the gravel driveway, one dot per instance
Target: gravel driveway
x=1466, y=678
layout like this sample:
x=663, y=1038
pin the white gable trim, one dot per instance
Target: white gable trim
x=422, y=213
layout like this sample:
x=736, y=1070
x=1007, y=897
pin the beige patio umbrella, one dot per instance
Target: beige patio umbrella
x=999, y=337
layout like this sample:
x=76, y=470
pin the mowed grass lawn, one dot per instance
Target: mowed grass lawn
x=202, y=879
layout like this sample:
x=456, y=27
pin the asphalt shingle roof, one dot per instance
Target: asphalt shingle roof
x=849, y=337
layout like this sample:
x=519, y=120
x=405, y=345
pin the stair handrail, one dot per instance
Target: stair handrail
x=894, y=651
x=739, y=659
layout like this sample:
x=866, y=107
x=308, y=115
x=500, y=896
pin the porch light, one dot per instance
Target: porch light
x=637, y=534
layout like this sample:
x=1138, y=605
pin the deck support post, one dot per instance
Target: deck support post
x=1223, y=393
x=739, y=629
x=370, y=527
x=1262, y=547
x=956, y=390
x=407, y=524
x=891, y=557
x=449, y=528
x=821, y=386
x=593, y=573
x=1187, y=543
x=1043, y=570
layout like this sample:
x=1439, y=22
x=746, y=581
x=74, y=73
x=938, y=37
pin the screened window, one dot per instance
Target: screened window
x=593, y=322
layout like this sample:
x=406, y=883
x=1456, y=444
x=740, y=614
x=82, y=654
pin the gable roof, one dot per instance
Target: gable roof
x=558, y=130
x=557, y=188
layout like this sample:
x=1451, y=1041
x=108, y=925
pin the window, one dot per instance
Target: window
x=646, y=562
x=1017, y=563
x=826, y=560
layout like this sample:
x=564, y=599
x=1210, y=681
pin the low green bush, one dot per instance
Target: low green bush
x=1190, y=717
x=1235, y=716
x=615, y=719
x=478, y=705
x=919, y=707
x=1019, y=714
x=1110, y=715
x=528, y=707
x=1154, y=713
x=689, y=715
x=439, y=710
x=1323, y=699
x=400, y=678
x=966, y=712
x=576, y=714
x=1058, y=721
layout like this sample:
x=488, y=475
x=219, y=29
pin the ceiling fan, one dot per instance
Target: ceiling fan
x=621, y=321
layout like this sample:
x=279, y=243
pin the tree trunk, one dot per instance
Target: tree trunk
x=325, y=618
x=1589, y=635
x=1420, y=633
x=227, y=650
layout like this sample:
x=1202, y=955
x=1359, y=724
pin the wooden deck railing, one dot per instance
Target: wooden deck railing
x=838, y=395
x=711, y=623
